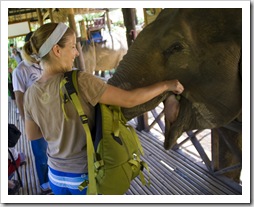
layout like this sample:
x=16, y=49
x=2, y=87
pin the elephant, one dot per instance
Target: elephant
x=101, y=57
x=201, y=47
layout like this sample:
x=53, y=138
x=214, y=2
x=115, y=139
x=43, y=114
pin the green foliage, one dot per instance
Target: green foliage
x=119, y=23
x=12, y=63
x=90, y=17
x=140, y=20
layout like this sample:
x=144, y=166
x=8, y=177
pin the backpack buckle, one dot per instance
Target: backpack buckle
x=84, y=119
x=134, y=156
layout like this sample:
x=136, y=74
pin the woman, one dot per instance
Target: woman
x=16, y=55
x=54, y=45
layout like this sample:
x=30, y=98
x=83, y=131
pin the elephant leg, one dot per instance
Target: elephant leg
x=227, y=151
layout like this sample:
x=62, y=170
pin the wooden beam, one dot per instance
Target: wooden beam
x=80, y=63
x=83, y=30
x=14, y=12
x=40, y=19
x=51, y=15
x=130, y=24
x=108, y=21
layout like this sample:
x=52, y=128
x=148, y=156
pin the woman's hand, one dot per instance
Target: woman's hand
x=175, y=86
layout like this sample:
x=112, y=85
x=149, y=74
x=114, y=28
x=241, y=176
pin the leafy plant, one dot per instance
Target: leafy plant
x=12, y=63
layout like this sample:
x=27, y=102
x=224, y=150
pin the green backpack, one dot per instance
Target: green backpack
x=114, y=153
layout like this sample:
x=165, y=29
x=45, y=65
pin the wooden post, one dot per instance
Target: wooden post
x=51, y=15
x=226, y=152
x=80, y=63
x=109, y=28
x=108, y=21
x=39, y=16
x=142, y=122
x=83, y=31
x=130, y=24
x=215, y=149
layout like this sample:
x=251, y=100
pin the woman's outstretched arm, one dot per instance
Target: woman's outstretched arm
x=128, y=99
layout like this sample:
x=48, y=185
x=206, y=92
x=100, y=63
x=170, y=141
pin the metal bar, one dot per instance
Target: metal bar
x=228, y=169
x=157, y=120
x=200, y=150
x=176, y=146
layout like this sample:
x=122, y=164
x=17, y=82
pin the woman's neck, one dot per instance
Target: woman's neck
x=45, y=77
x=48, y=73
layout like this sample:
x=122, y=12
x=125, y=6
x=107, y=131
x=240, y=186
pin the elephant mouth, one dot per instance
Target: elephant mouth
x=171, y=108
x=172, y=128
x=179, y=117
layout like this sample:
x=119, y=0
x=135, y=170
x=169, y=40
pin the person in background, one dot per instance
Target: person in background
x=15, y=160
x=16, y=55
x=10, y=49
x=19, y=158
x=54, y=44
x=23, y=76
x=10, y=86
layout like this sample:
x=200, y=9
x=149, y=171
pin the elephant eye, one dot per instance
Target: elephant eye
x=176, y=47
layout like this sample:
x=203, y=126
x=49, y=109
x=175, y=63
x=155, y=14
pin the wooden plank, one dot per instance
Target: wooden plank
x=196, y=178
x=194, y=167
x=175, y=180
x=163, y=167
x=27, y=172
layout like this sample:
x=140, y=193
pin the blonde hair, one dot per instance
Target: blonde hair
x=32, y=46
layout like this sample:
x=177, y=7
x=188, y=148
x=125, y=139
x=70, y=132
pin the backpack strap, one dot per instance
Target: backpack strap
x=71, y=91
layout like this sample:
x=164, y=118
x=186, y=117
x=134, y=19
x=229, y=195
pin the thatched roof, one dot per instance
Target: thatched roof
x=59, y=14
x=19, y=15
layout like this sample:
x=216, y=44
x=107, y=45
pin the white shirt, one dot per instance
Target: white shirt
x=24, y=75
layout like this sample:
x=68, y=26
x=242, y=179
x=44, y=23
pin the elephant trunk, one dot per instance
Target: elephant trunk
x=131, y=73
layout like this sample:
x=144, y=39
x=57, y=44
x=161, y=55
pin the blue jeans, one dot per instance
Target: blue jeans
x=39, y=148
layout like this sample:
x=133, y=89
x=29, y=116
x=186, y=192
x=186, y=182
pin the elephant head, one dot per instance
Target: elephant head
x=202, y=49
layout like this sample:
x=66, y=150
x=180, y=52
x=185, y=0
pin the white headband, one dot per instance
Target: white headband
x=52, y=39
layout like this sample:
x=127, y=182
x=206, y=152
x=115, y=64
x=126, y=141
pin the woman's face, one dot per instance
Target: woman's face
x=69, y=53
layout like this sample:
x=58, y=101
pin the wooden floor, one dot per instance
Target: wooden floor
x=27, y=172
x=171, y=173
